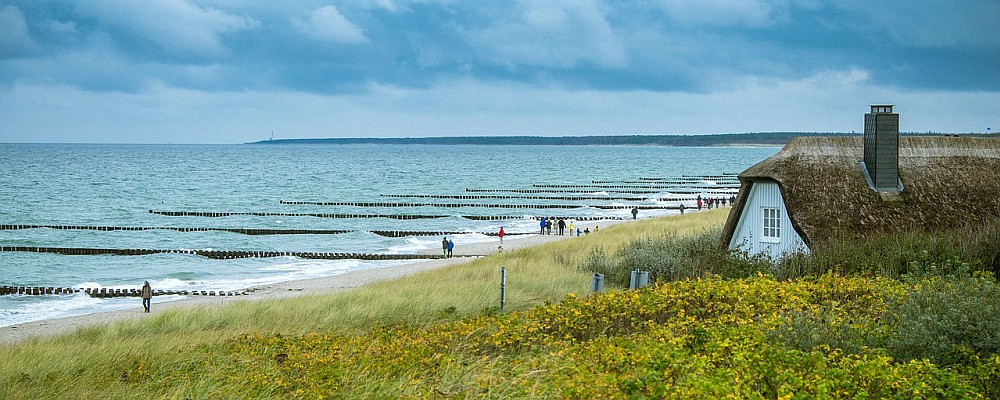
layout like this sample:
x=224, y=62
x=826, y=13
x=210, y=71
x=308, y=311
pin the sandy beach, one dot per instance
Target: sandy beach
x=15, y=333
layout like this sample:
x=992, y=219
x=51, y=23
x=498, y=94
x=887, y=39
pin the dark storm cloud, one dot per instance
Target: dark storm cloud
x=347, y=48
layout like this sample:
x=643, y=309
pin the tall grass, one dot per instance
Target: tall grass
x=910, y=252
x=109, y=361
x=671, y=257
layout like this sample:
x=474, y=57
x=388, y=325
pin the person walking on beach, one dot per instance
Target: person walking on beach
x=444, y=247
x=541, y=224
x=681, y=207
x=501, y=235
x=548, y=226
x=635, y=212
x=562, y=226
x=147, y=295
x=571, y=228
x=451, y=247
x=699, y=201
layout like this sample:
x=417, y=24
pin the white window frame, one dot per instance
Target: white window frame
x=770, y=224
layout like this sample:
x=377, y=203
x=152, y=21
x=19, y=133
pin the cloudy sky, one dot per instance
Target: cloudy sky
x=233, y=71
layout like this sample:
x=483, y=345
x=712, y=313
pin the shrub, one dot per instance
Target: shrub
x=947, y=319
x=600, y=262
x=809, y=330
x=671, y=257
x=691, y=339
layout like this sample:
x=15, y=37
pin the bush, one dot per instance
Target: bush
x=672, y=258
x=948, y=320
x=809, y=330
x=599, y=262
x=692, y=339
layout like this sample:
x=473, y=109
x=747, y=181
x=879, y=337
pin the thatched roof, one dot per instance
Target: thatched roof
x=949, y=182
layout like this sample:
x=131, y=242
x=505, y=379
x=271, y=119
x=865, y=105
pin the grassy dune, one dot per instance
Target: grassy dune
x=176, y=349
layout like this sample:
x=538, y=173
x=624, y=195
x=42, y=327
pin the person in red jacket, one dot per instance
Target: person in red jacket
x=501, y=235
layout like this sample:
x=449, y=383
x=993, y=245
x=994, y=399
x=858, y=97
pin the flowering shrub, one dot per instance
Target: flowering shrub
x=696, y=338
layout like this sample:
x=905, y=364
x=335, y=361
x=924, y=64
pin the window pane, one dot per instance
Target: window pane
x=771, y=219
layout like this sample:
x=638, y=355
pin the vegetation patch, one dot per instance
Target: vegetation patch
x=694, y=338
x=902, y=316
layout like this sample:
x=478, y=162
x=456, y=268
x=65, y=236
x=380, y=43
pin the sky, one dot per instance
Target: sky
x=235, y=71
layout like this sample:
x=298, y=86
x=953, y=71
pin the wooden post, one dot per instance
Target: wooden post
x=503, y=287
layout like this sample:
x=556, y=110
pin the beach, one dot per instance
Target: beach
x=463, y=253
x=202, y=215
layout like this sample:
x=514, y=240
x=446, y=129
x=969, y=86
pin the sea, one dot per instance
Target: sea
x=251, y=186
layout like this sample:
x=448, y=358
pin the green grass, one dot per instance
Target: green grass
x=741, y=333
x=175, y=346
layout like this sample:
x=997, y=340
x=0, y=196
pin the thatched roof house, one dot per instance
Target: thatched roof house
x=822, y=192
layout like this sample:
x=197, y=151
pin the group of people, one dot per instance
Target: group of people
x=713, y=201
x=447, y=247
x=545, y=226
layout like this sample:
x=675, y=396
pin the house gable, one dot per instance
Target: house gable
x=763, y=224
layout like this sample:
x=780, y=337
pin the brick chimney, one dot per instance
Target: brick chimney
x=881, y=158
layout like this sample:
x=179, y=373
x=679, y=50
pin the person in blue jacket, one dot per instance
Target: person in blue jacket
x=541, y=231
x=451, y=247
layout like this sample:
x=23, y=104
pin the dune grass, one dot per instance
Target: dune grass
x=112, y=361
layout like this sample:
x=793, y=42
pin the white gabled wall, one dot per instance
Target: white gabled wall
x=749, y=228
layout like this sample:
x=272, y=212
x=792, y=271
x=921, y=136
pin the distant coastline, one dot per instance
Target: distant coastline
x=732, y=139
x=747, y=139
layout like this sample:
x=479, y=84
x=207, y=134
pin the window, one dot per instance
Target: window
x=772, y=225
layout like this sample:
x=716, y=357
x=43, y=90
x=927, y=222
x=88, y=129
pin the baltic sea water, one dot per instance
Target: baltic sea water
x=117, y=185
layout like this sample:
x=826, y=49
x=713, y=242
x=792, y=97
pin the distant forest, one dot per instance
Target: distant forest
x=734, y=139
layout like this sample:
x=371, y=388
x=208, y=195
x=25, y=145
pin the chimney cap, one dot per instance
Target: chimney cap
x=882, y=108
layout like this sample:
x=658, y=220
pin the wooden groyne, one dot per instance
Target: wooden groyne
x=691, y=183
x=216, y=254
x=456, y=205
x=248, y=231
x=645, y=186
x=441, y=233
x=510, y=197
x=502, y=218
x=725, y=176
x=440, y=205
x=212, y=214
x=528, y=191
x=105, y=292
x=523, y=197
x=641, y=207
x=393, y=216
x=244, y=231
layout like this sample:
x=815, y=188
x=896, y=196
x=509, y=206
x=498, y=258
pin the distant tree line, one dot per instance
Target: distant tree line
x=759, y=138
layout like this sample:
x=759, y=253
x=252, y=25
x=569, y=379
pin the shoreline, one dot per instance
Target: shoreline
x=464, y=253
